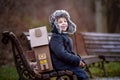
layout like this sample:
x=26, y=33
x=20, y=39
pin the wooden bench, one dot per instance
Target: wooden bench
x=91, y=59
x=22, y=61
x=104, y=45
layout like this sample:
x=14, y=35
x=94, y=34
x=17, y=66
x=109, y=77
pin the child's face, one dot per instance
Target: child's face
x=62, y=23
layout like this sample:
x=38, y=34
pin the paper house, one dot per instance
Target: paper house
x=40, y=44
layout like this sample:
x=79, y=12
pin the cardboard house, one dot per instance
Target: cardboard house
x=40, y=43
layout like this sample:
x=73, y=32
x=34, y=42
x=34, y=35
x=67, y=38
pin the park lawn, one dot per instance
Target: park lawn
x=113, y=70
x=8, y=73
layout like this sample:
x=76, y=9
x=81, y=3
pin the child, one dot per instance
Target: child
x=61, y=45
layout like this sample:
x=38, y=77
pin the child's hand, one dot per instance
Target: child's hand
x=82, y=64
x=34, y=66
x=36, y=70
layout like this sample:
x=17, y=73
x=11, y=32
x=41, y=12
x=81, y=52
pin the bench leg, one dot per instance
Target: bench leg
x=88, y=70
x=104, y=70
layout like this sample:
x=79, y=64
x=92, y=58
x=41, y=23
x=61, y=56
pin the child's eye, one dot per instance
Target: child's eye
x=59, y=21
x=65, y=21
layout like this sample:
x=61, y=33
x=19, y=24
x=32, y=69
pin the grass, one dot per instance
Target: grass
x=113, y=70
x=8, y=73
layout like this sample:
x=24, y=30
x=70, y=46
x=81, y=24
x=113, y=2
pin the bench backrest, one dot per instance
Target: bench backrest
x=101, y=43
x=26, y=37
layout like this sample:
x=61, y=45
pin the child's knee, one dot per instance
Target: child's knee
x=82, y=75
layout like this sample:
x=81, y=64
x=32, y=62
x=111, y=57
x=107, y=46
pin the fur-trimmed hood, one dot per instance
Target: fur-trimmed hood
x=53, y=21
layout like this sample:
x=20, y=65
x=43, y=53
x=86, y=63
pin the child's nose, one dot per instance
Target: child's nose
x=63, y=22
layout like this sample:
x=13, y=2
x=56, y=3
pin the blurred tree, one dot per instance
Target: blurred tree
x=113, y=8
x=15, y=16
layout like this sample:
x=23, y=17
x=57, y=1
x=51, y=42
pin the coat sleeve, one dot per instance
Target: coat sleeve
x=57, y=46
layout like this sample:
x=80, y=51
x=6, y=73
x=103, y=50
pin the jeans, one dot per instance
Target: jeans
x=79, y=72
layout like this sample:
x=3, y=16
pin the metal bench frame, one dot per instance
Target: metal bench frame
x=23, y=68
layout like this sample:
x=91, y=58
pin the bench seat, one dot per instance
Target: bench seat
x=102, y=44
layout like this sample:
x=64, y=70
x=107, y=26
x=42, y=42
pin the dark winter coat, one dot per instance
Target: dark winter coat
x=61, y=43
x=61, y=52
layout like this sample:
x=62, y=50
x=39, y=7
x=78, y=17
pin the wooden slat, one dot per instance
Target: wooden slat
x=100, y=34
x=103, y=50
x=101, y=38
x=26, y=33
x=103, y=42
x=102, y=46
x=104, y=54
x=91, y=59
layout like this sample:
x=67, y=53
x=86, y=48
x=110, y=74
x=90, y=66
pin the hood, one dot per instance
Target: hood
x=53, y=21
